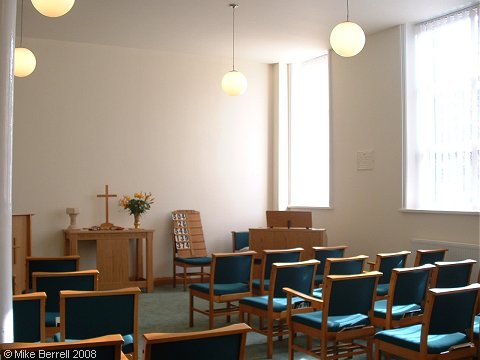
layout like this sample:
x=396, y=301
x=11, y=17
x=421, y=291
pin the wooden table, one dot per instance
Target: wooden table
x=113, y=256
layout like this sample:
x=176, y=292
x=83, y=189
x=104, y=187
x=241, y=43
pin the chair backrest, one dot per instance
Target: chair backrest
x=443, y=315
x=240, y=240
x=409, y=285
x=449, y=274
x=217, y=344
x=105, y=348
x=278, y=256
x=324, y=252
x=345, y=266
x=430, y=256
x=29, y=317
x=50, y=264
x=386, y=262
x=297, y=276
x=230, y=268
x=187, y=234
x=52, y=282
x=350, y=294
x=87, y=314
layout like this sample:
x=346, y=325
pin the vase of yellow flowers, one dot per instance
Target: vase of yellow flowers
x=137, y=205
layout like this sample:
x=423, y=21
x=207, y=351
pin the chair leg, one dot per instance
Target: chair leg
x=174, y=275
x=270, y=339
x=229, y=318
x=201, y=274
x=291, y=340
x=191, y=310
x=378, y=354
x=369, y=348
x=184, y=278
x=211, y=314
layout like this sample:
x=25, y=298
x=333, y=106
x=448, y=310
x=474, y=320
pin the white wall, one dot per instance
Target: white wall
x=367, y=115
x=139, y=121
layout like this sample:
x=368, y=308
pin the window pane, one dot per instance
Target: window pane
x=309, y=133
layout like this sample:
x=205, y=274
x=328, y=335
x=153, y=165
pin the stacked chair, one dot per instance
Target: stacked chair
x=272, y=308
x=450, y=274
x=385, y=263
x=322, y=253
x=430, y=256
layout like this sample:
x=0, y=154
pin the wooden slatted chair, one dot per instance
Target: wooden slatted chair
x=344, y=317
x=230, y=281
x=49, y=264
x=29, y=317
x=189, y=249
x=52, y=282
x=217, y=344
x=271, y=309
x=430, y=256
x=406, y=296
x=89, y=314
x=446, y=330
x=261, y=285
x=324, y=252
x=104, y=348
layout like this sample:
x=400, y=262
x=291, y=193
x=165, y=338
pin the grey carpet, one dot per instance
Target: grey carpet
x=166, y=310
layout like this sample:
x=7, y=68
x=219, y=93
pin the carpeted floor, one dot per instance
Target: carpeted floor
x=166, y=310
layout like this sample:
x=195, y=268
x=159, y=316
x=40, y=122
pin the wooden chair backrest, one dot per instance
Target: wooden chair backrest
x=50, y=264
x=216, y=344
x=29, y=317
x=105, y=348
x=187, y=234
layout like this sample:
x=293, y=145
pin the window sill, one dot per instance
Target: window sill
x=440, y=212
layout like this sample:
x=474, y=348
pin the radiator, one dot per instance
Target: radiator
x=456, y=251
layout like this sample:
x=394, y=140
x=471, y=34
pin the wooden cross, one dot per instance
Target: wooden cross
x=106, y=225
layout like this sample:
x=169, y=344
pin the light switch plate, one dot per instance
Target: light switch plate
x=365, y=160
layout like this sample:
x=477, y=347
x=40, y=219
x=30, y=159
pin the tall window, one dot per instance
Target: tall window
x=309, y=134
x=443, y=117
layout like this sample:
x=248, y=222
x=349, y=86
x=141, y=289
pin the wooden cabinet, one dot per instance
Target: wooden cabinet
x=22, y=247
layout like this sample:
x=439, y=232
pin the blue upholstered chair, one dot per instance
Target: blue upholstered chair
x=448, y=274
x=240, y=241
x=324, y=252
x=272, y=308
x=50, y=264
x=345, y=317
x=430, y=256
x=230, y=280
x=52, y=282
x=446, y=330
x=89, y=314
x=29, y=317
x=342, y=266
x=405, y=301
x=217, y=344
x=261, y=285
x=385, y=263
x=101, y=348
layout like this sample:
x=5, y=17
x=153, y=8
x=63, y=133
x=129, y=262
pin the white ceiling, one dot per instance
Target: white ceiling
x=268, y=31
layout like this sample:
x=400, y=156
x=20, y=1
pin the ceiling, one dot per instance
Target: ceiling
x=267, y=31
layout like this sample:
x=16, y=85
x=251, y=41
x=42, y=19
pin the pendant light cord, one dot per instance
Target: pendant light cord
x=21, y=25
x=348, y=12
x=234, y=6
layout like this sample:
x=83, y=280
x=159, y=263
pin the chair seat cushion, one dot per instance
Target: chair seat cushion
x=256, y=284
x=127, y=346
x=51, y=318
x=398, y=311
x=409, y=337
x=382, y=289
x=221, y=289
x=335, y=323
x=476, y=326
x=261, y=302
x=318, y=292
x=205, y=260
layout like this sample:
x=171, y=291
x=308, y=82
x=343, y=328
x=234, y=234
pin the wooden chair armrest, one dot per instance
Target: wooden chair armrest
x=371, y=265
x=316, y=303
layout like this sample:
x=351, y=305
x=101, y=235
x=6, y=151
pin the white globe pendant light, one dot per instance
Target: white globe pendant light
x=25, y=62
x=53, y=8
x=347, y=38
x=234, y=83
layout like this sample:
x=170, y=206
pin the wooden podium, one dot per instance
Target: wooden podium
x=285, y=238
x=113, y=256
